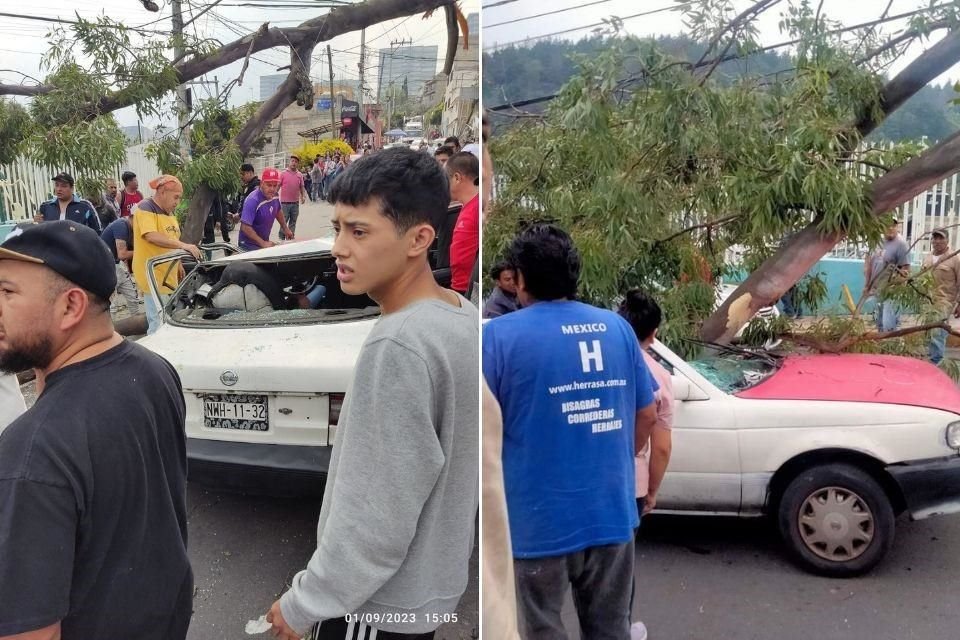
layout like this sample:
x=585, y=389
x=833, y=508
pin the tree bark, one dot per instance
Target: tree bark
x=795, y=258
x=798, y=254
x=286, y=94
x=919, y=73
x=337, y=22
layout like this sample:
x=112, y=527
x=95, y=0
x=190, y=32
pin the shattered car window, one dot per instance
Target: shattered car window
x=282, y=291
x=730, y=373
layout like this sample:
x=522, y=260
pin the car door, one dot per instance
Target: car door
x=704, y=471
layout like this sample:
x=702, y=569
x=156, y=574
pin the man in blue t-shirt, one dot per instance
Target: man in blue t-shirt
x=118, y=237
x=577, y=398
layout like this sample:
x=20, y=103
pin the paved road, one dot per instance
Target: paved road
x=246, y=549
x=706, y=579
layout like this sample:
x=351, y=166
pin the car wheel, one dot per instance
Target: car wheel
x=837, y=520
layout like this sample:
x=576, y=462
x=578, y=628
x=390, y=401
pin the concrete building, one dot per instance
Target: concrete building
x=270, y=84
x=461, y=108
x=416, y=65
x=434, y=91
x=282, y=133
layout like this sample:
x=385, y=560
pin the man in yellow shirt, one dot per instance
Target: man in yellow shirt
x=156, y=232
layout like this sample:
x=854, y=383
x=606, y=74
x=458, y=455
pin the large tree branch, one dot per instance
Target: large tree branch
x=337, y=22
x=808, y=340
x=800, y=252
x=792, y=260
x=922, y=71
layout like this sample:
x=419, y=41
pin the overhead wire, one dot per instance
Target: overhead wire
x=21, y=16
x=548, y=13
x=674, y=7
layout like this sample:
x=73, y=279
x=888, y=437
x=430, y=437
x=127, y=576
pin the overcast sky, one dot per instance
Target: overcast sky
x=22, y=41
x=848, y=12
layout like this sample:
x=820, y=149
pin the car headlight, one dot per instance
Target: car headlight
x=953, y=435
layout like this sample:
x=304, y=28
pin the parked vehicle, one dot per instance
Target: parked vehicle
x=265, y=343
x=833, y=447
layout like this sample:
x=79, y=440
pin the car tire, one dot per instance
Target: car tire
x=837, y=520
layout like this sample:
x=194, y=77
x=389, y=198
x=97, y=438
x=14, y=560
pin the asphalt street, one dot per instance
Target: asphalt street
x=704, y=578
x=246, y=549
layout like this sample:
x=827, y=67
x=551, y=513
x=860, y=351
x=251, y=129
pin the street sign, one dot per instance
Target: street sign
x=323, y=104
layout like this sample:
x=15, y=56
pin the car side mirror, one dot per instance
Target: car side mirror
x=684, y=390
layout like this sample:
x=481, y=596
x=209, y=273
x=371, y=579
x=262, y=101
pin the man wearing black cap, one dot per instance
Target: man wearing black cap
x=92, y=493
x=66, y=206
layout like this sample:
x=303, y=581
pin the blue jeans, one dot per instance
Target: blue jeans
x=886, y=315
x=291, y=210
x=153, y=313
x=938, y=345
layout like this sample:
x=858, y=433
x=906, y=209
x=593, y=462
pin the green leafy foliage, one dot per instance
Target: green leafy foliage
x=658, y=173
x=15, y=126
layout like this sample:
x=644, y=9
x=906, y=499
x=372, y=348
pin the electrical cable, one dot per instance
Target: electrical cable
x=548, y=13
x=674, y=7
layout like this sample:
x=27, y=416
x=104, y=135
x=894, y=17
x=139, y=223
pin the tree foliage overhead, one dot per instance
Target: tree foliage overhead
x=515, y=74
x=96, y=67
x=658, y=167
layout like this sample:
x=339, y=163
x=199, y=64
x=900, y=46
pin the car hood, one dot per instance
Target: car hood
x=301, y=359
x=859, y=378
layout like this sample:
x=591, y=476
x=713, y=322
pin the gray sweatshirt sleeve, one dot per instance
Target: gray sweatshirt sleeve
x=389, y=461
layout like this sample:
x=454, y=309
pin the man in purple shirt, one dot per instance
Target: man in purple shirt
x=260, y=209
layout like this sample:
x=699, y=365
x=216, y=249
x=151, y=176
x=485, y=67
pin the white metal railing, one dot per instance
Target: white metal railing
x=25, y=185
x=275, y=160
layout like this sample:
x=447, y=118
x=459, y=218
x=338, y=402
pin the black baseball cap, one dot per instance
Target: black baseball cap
x=63, y=176
x=70, y=249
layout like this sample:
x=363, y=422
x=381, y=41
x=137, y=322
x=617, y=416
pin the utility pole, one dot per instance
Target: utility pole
x=360, y=113
x=333, y=121
x=394, y=43
x=363, y=46
x=178, y=53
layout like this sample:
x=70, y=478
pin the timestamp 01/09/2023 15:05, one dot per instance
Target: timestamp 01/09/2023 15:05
x=400, y=618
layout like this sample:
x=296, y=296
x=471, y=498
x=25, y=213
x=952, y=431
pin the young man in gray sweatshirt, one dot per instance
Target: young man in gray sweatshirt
x=397, y=523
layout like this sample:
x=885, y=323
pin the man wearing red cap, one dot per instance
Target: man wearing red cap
x=260, y=209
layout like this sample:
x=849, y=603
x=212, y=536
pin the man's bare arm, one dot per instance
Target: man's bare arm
x=645, y=421
x=250, y=233
x=47, y=633
x=123, y=253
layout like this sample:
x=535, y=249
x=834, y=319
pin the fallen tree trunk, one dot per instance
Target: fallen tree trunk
x=799, y=253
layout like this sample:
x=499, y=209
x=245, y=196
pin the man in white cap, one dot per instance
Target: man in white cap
x=946, y=274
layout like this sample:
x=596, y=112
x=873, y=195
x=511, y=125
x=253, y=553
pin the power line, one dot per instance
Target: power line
x=548, y=13
x=589, y=26
x=21, y=16
x=497, y=4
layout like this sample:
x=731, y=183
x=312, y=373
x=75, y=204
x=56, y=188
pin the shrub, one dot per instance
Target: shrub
x=310, y=150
